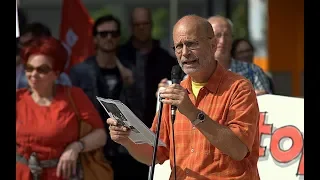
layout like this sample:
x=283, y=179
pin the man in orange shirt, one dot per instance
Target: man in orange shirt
x=216, y=126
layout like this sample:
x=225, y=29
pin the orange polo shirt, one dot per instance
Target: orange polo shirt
x=229, y=99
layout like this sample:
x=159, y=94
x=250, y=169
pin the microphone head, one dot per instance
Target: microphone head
x=176, y=74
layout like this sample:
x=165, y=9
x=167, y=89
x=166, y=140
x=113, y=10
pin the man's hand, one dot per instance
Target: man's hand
x=126, y=74
x=118, y=134
x=162, y=84
x=261, y=92
x=176, y=95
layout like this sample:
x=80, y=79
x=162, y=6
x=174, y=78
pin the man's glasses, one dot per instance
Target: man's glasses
x=143, y=24
x=43, y=69
x=113, y=34
x=190, y=45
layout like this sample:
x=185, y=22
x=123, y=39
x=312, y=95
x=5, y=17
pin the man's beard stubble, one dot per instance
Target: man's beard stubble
x=109, y=50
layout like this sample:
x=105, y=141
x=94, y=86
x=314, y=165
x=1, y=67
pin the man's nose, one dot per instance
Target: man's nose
x=185, y=51
x=109, y=36
x=222, y=40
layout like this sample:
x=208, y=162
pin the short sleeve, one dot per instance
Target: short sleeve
x=243, y=114
x=164, y=135
x=86, y=109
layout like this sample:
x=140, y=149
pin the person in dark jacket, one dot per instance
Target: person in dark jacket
x=150, y=62
x=103, y=75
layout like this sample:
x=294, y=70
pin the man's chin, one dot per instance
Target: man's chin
x=190, y=71
x=107, y=50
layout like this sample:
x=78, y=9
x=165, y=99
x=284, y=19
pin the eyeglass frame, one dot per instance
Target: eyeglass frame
x=174, y=47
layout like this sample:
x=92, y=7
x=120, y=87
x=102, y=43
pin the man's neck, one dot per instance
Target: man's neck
x=142, y=46
x=106, y=59
x=205, y=75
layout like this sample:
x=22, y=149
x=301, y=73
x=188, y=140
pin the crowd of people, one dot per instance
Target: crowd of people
x=219, y=90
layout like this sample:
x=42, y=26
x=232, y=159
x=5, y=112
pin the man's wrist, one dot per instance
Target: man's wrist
x=192, y=115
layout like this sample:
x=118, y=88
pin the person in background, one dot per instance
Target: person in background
x=150, y=62
x=30, y=32
x=47, y=127
x=222, y=28
x=34, y=30
x=104, y=75
x=217, y=117
x=243, y=50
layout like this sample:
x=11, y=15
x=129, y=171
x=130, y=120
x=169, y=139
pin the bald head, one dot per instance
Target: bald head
x=141, y=13
x=195, y=23
x=222, y=28
x=195, y=45
x=141, y=21
x=220, y=20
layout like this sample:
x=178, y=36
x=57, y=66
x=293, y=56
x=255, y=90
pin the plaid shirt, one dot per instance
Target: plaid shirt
x=230, y=100
x=253, y=73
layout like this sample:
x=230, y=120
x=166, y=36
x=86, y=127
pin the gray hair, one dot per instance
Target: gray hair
x=227, y=19
x=230, y=23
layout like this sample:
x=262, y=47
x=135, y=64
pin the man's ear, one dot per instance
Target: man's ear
x=214, y=44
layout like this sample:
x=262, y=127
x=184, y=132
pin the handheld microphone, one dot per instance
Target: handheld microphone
x=176, y=74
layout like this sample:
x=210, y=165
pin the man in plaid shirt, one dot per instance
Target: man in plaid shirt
x=217, y=117
x=222, y=28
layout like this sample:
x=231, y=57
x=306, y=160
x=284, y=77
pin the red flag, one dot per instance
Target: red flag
x=75, y=32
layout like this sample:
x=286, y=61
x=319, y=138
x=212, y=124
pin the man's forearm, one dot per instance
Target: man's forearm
x=141, y=152
x=221, y=137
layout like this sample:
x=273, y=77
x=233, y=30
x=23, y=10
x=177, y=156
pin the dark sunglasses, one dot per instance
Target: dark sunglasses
x=43, y=69
x=113, y=34
x=141, y=24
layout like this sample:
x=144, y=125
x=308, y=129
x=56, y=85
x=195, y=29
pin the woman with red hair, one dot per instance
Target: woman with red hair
x=47, y=120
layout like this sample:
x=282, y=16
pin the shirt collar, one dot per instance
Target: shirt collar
x=213, y=82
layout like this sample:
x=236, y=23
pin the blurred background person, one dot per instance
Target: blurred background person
x=223, y=32
x=243, y=50
x=33, y=30
x=150, y=62
x=28, y=34
x=104, y=75
x=47, y=126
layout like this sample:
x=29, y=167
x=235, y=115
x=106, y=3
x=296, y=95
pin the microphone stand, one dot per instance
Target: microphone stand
x=173, y=118
x=155, y=144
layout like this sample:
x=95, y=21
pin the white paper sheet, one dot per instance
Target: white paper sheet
x=140, y=133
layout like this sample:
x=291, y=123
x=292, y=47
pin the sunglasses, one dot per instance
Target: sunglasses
x=113, y=34
x=141, y=24
x=43, y=69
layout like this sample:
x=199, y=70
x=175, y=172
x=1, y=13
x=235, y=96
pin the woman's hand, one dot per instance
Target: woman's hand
x=67, y=165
